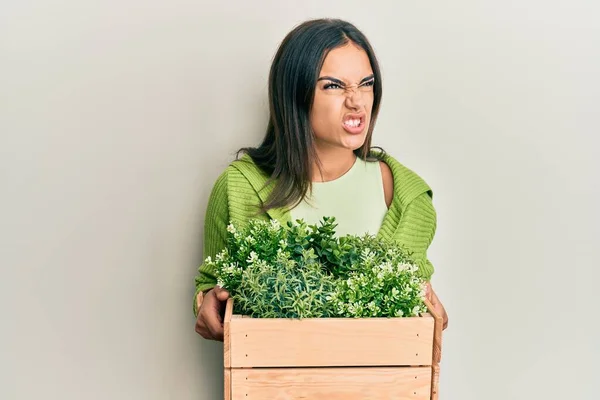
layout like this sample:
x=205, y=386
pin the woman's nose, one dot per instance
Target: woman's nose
x=354, y=98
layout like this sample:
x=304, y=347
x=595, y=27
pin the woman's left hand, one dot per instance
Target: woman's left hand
x=437, y=305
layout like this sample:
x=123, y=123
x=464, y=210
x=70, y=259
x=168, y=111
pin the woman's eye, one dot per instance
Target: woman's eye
x=370, y=83
x=332, y=86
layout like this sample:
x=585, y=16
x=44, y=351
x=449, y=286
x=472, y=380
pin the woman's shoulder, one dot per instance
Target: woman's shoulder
x=241, y=176
x=407, y=183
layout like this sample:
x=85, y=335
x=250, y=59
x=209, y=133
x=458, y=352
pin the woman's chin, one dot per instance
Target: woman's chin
x=345, y=141
x=354, y=142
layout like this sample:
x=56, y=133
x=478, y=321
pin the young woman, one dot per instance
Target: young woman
x=316, y=160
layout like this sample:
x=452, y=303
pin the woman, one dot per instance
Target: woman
x=316, y=160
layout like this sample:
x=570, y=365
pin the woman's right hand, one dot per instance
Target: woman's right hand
x=209, y=323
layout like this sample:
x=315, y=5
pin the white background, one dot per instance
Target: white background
x=116, y=117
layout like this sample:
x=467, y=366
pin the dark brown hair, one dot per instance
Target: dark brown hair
x=287, y=149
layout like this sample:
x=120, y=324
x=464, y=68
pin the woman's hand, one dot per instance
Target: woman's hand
x=437, y=305
x=209, y=323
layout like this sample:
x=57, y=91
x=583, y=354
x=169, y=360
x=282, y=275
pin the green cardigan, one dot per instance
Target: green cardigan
x=239, y=190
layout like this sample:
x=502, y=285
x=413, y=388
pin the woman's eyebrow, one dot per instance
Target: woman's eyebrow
x=366, y=79
x=341, y=83
x=332, y=79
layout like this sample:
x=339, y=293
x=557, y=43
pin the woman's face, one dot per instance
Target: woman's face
x=341, y=110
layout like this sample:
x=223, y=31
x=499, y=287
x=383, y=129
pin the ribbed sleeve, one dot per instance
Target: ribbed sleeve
x=244, y=203
x=411, y=219
x=215, y=233
x=416, y=231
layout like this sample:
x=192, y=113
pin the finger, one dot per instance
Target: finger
x=221, y=293
x=428, y=290
x=213, y=327
x=445, y=319
x=201, y=328
x=211, y=317
x=434, y=298
x=202, y=331
x=441, y=310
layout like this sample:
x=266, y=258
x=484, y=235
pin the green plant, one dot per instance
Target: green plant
x=306, y=271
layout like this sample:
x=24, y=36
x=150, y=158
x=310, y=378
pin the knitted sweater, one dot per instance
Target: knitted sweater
x=239, y=190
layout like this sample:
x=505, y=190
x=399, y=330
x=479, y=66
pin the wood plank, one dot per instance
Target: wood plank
x=437, y=334
x=331, y=342
x=435, y=381
x=437, y=350
x=402, y=383
x=227, y=384
x=229, y=310
x=226, y=333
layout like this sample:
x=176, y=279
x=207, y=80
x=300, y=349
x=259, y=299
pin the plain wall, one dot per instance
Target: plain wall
x=116, y=117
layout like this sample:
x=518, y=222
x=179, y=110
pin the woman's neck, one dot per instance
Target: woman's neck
x=334, y=163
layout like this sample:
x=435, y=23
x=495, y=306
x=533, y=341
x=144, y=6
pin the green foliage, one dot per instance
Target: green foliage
x=306, y=271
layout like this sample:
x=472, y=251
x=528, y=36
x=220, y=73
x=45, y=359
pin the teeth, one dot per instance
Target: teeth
x=353, y=122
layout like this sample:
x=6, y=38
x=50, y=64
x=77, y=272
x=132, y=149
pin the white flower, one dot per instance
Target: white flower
x=231, y=228
x=275, y=225
x=403, y=267
x=253, y=257
x=387, y=267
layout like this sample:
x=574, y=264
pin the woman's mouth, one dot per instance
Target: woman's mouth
x=354, y=123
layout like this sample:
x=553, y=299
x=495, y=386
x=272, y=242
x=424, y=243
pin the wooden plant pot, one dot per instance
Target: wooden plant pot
x=332, y=358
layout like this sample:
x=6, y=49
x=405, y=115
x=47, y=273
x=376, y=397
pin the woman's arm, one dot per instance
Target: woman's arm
x=215, y=235
x=417, y=228
x=417, y=223
x=416, y=231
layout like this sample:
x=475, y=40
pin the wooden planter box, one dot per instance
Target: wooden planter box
x=332, y=358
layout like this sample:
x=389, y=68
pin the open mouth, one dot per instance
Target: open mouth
x=354, y=123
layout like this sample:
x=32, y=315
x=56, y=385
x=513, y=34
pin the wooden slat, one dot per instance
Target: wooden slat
x=227, y=384
x=437, y=334
x=229, y=310
x=435, y=381
x=226, y=333
x=331, y=342
x=437, y=350
x=401, y=383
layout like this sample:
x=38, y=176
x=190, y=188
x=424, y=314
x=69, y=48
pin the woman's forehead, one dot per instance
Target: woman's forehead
x=349, y=63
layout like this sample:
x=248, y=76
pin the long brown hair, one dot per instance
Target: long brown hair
x=287, y=149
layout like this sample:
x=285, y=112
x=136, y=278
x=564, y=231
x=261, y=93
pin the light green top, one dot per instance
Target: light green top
x=356, y=200
x=240, y=189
